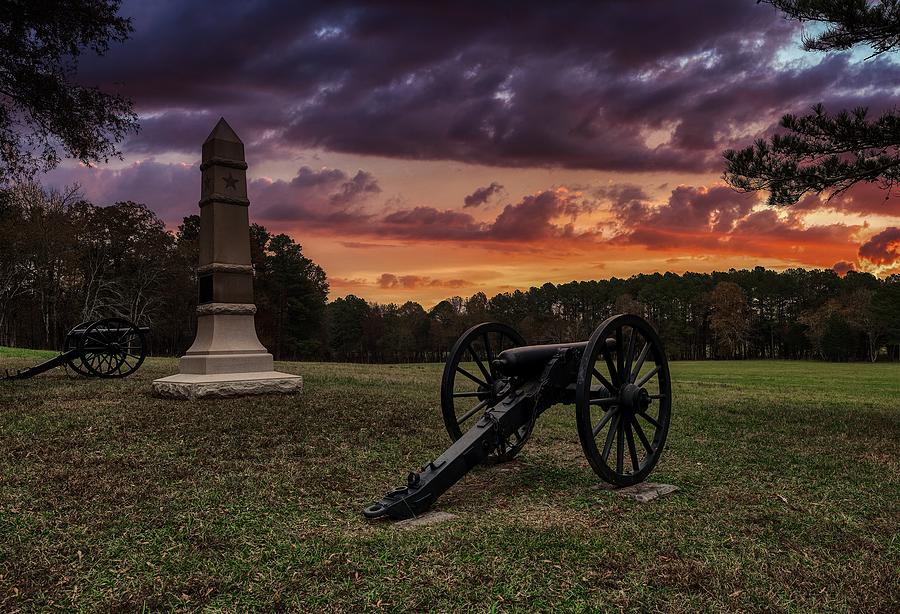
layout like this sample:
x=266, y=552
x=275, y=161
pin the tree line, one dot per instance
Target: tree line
x=758, y=313
x=64, y=260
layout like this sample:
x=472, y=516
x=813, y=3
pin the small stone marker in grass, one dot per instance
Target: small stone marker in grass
x=424, y=520
x=646, y=491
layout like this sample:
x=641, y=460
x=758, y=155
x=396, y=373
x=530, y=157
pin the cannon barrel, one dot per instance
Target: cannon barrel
x=530, y=359
x=618, y=381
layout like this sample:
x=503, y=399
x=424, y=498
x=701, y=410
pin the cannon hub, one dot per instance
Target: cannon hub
x=495, y=387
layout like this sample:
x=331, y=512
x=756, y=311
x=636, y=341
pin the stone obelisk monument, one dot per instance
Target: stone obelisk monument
x=226, y=358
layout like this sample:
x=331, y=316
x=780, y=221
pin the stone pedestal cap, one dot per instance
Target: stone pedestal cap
x=223, y=144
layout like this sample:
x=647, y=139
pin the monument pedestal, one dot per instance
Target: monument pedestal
x=192, y=386
x=226, y=358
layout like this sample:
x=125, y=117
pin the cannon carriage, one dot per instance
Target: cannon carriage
x=494, y=388
x=108, y=348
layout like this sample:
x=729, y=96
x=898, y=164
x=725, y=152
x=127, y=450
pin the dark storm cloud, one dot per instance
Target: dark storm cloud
x=545, y=215
x=662, y=86
x=863, y=198
x=430, y=223
x=324, y=198
x=362, y=185
x=689, y=208
x=482, y=195
x=883, y=248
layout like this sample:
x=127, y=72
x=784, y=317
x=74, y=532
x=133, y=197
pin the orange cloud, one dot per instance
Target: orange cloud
x=561, y=235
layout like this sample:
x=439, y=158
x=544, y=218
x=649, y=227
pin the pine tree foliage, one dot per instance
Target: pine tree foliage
x=822, y=152
x=847, y=23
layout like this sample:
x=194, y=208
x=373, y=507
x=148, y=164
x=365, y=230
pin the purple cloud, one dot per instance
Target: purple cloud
x=883, y=248
x=319, y=198
x=843, y=267
x=171, y=190
x=571, y=84
x=481, y=195
x=325, y=198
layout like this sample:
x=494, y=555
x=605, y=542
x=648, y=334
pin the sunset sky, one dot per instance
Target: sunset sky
x=419, y=152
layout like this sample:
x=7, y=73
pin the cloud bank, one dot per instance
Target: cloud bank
x=565, y=84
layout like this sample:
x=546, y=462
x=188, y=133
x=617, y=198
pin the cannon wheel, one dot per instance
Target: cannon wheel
x=112, y=348
x=468, y=390
x=623, y=434
x=71, y=342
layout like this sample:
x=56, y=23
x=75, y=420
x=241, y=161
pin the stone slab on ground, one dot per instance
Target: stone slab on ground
x=646, y=491
x=424, y=520
x=193, y=386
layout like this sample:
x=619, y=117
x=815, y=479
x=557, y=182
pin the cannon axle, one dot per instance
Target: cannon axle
x=618, y=381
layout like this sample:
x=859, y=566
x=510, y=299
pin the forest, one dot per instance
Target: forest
x=64, y=260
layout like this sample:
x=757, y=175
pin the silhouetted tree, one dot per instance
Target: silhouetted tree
x=14, y=272
x=822, y=152
x=81, y=262
x=729, y=316
x=42, y=108
x=346, y=323
x=291, y=291
x=885, y=309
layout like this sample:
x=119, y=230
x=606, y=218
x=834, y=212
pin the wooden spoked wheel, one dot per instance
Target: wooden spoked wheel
x=71, y=342
x=623, y=434
x=112, y=348
x=471, y=385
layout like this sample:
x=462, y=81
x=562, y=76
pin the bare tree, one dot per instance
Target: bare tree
x=729, y=320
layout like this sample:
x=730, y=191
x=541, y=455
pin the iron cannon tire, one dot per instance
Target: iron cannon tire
x=113, y=348
x=491, y=338
x=639, y=396
x=71, y=342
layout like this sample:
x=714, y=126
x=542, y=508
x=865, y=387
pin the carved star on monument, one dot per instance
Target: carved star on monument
x=230, y=182
x=226, y=358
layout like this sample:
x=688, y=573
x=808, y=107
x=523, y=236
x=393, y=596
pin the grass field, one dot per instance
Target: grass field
x=6, y=352
x=112, y=500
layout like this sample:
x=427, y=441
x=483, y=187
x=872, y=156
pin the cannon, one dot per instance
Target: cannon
x=494, y=387
x=112, y=347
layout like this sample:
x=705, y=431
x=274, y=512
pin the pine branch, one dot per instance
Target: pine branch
x=849, y=23
x=820, y=153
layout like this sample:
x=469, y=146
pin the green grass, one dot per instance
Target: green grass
x=112, y=500
x=6, y=352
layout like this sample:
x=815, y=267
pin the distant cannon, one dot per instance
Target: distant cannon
x=105, y=348
x=618, y=381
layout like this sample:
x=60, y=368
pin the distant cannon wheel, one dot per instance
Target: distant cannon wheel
x=471, y=385
x=71, y=342
x=112, y=348
x=623, y=432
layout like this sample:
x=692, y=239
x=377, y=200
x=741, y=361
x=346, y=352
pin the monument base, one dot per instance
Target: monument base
x=194, y=386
